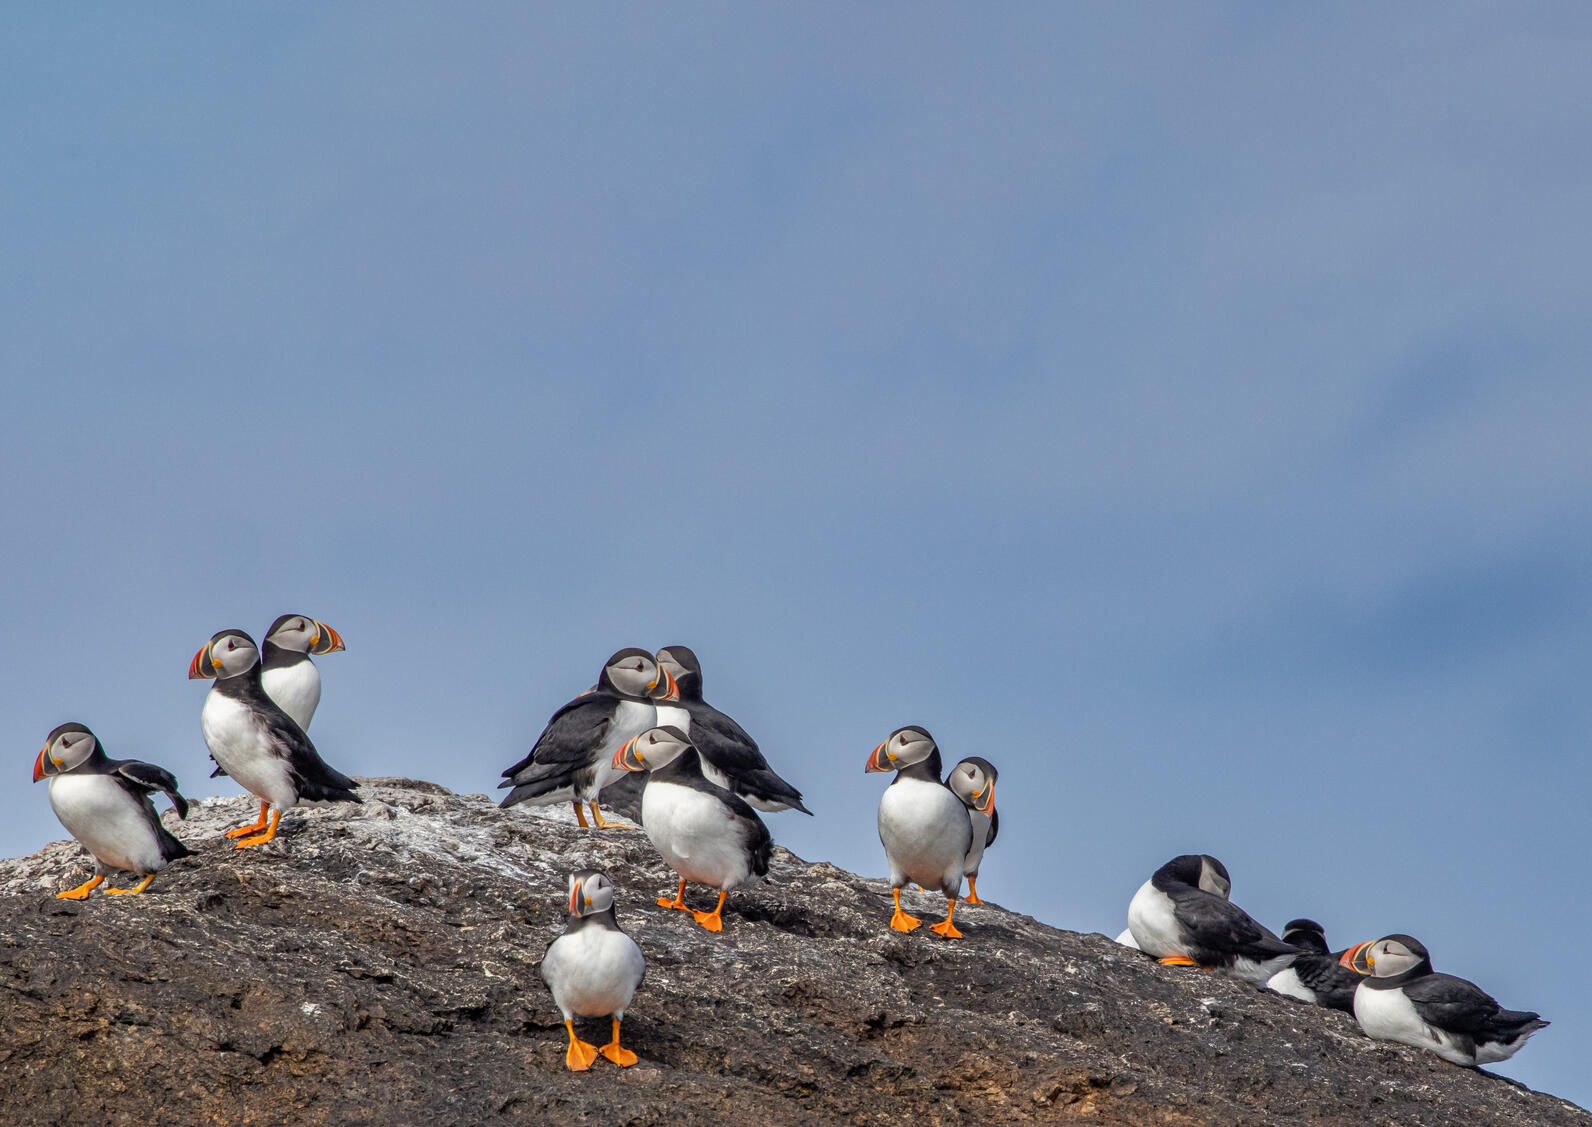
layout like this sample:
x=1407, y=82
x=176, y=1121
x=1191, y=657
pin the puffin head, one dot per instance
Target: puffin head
x=680, y=663
x=65, y=749
x=1307, y=934
x=651, y=750
x=227, y=654
x=590, y=892
x=303, y=634
x=631, y=672
x=905, y=747
x=973, y=781
x=1389, y=956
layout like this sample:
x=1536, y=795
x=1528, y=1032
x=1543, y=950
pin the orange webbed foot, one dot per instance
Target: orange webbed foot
x=1177, y=961
x=580, y=1054
x=712, y=920
x=137, y=888
x=677, y=902
x=624, y=1058
x=946, y=928
x=81, y=891
x=901, y=921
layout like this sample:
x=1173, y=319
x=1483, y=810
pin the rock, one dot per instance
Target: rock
x=380, y=967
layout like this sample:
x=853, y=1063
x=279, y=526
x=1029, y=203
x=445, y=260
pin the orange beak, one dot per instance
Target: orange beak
x=668, y=688
x=329, y=640
x=626, y=759
x=1352, y=958
x=987, y=804
x=201, y=666
x=574, y=895
x=38, y=765
x=876, y=759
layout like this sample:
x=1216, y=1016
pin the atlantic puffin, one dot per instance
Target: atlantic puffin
x=1178, y=917
x=1316, y=975
x=703, y=832
x=1404, y=1000
x=104, y=803
x=572, y=760
x=730, y=757
x=289, y=676
x=593, y=969
x=973, y=781
x=255, y=742
x=924, y=827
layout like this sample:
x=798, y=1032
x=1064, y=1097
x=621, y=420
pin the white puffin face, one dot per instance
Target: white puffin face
x=69, y=747
x=1214, y=878
x=658, y=747
x=633, y=673
x=668, y=661
x=972, y=785
x=293, y=632
x=907, y=746
x=1390, y=956
x=232, y=654
x=589, y=893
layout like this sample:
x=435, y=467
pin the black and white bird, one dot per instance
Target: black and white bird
x=255, y=742
x=104, y=803
x=973, y=781
x=730, y=757
x=1404, y=1000
x=703, y=832
x=925, y=829
x=593, y=969
x=1316, y=975
x=573, y=759
x=289, y=676
x=1182, y=916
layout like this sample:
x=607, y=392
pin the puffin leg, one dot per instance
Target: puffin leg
x=139, y=887
x=597, y=816
x=261, y=839
x=1177, y=961
x=245, y=831
x=678, y=901
x=81, y=891
x=901, y=921
x=711, y=920
x=580, y=1053
x=580, y=814
x=945, y=927
x=972, y=892
x=624, y=1058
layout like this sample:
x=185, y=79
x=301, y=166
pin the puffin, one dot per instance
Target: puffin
x=730, y=757
x=255, y=742
x=973, y=781
x=923, y=825
x=704, y=832
x=593, y=969
x=289, y=676
x=104, y=803
x=1213, y=884
x=1402, y=999
x=1317, y=975
x=572, y=760
x=1182, y=916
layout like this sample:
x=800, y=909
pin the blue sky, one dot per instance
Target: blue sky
x=1185, y=407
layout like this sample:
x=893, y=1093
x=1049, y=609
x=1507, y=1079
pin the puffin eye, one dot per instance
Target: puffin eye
x=231, y=645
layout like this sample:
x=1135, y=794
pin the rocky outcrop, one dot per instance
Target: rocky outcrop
x=379, y=965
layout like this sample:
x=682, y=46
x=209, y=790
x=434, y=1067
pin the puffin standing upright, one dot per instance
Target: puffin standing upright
x=704, y=832
x=104, y=803
x=1317, y=975
x=286, y=671
x=593, y=969
x=973, y=781
x=255, y=742
x=923, y=825
x=1178, y=918
x=730, y=757
x=572, y=760
x=1404, y=1000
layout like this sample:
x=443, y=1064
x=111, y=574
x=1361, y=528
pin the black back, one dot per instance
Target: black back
x=312, y=777
x=1215, y=931
x=686, y=771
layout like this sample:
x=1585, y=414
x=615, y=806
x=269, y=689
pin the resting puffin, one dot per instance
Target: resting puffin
x=730, y=757
x=1404, y=1000
x=289, y=676
x=104, y=803
x=593, y=969
x=572, y=759
x=1178, y=917
x=255, y=742
x=704, y=832
x=973, y=781
x=1316, y=975
x=924, y=827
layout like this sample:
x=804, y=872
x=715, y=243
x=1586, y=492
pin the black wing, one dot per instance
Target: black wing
x=994, y=828
x=758, y=841
x=726, y=745
x=312, y=776
x=1220, y=926
x=1452, y=1003
x=573, y=735
x=145, y=778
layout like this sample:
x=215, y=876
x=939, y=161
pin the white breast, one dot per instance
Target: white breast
x=1389, y=1016
x=926, y=833
x=697, y=835
x=296, y=688
x=1153, y=921
x=593, y=972
x=242, y=748
x=1287, y=982
x=108, y=820
x=1127, y=940
x=630, y=719
x=975, y=855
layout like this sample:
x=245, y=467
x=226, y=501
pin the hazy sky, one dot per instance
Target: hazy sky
x=1185, y=406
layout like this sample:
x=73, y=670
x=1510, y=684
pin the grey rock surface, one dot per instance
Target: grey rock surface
x=378, y=964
